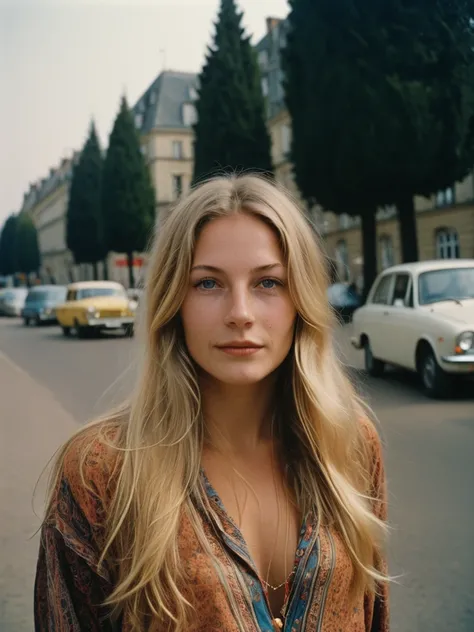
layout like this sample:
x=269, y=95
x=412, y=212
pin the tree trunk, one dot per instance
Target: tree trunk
x=408, y=229
x=105, y=269
x=131, y=280
x=369, y=249
x=95, y=271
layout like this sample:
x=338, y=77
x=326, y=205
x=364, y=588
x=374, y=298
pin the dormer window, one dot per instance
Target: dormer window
x=189, y=114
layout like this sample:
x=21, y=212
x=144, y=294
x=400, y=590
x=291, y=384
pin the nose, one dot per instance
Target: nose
x=240, y=313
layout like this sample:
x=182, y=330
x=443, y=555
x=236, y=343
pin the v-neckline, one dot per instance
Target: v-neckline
x=235, y=540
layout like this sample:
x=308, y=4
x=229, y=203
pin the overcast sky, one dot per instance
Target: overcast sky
x=63, y=62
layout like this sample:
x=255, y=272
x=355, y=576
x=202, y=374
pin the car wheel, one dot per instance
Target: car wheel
x=26, y=322
x=129, y=331
x=66, y=331
x=82, y=332
x=437, y=384
x=38, y=321
x=373, y=366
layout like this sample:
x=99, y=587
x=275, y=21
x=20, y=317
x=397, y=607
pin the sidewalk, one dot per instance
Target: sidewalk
x=32, y=426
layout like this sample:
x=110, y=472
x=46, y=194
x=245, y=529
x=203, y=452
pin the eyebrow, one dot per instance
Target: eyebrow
x=265, y=268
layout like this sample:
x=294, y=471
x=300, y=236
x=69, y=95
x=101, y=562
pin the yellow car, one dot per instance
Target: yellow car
x=95, y=306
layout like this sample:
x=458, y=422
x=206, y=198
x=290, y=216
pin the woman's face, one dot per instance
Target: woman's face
x=237, y=315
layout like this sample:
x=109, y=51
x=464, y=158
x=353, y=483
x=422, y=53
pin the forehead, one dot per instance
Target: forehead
x=239, y=237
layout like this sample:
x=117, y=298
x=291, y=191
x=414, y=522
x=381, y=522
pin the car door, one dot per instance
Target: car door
x=376, y=316
x=401, y=322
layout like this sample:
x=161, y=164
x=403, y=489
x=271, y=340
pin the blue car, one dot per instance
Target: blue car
x=41, y=302
x=344, y=300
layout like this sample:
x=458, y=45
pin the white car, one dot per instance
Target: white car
x=420, y=316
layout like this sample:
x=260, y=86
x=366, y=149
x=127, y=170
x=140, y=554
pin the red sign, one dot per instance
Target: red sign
x=138, y=262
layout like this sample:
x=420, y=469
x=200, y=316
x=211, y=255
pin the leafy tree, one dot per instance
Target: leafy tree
x=231, y=127
x=8, y=238
x=128, y=197
x=27, y=250
x=84, y=223
x=381, y=99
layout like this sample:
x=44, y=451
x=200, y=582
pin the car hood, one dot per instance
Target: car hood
x=452, y=311
x=100, y=302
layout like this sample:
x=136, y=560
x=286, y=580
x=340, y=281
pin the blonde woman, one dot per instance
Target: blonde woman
x=242, y=487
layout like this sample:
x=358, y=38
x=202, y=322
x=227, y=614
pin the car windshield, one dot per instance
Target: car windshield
x=91, y=292
x=41, y=296
x=452, y=284
x=15, y=295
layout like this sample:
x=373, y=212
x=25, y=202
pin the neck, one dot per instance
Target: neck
x=238, y=419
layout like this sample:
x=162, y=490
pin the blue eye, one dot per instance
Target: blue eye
x=270, y=284
x=207, y=284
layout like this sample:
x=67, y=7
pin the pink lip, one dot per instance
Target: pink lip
x=240, y=351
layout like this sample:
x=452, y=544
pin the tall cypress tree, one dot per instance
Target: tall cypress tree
x=84, y=222
x=8, y=238
x=231, y=123
x=27, y=249
x=128, y=197
x=381, y=99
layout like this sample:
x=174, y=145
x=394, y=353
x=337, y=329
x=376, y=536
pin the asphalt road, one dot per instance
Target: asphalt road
x=49, y=384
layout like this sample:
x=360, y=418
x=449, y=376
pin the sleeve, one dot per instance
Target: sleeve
x=70, y=586
x=68, y=592
x=377, y=608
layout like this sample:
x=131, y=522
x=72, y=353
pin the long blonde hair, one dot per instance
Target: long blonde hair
x=158, y=434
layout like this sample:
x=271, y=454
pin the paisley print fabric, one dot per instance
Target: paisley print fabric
x=70, y=588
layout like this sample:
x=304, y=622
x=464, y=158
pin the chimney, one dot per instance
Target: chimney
x=272, y=23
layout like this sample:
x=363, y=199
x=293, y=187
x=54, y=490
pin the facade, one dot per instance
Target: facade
x=46, y=201
x=164, y=116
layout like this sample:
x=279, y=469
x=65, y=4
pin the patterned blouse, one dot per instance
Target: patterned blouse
x=70, y=589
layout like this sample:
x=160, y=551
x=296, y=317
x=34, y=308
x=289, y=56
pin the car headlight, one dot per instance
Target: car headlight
x=132, y=306
x=91, y=311
x=465, y=341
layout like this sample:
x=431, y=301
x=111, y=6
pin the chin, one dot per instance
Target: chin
x=240, y=377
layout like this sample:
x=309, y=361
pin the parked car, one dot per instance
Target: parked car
x=12, y=301
x=420, y=316
x=96, y=306
x=41, y=302
x=344, y=300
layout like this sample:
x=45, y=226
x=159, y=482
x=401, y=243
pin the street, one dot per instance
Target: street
x=50, y=384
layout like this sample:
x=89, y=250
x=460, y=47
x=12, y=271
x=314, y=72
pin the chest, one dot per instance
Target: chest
x=261, y=506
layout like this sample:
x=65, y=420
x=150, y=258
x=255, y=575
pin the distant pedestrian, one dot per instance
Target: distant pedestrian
x=241, y=489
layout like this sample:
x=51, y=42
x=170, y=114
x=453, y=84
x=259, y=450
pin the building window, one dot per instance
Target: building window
x=263, y=59
x=265, y=86
x=193, y=95
x=447, y=244
x=387, y=253
x=285, y=140
x=445, y=197
x=189, y=114
x=139, y=120
x=177, y=186
x=344, y=221
x=342, y=260
x=178, y=149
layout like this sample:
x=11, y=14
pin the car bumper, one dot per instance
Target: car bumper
x=461, y=364
x=110, y=323
x=11, y=310
x=43, y=316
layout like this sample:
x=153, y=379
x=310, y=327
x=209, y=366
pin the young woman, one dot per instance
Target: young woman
x=241, y=489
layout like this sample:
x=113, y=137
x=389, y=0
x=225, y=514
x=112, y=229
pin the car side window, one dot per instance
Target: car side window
x=382, y=292
x=401, y=286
